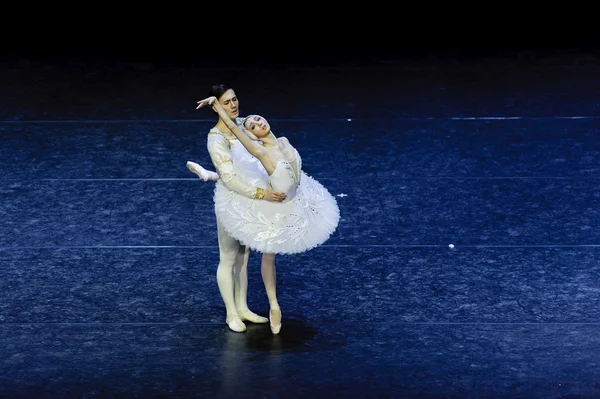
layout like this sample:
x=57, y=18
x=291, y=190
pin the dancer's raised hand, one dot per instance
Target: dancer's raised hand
x=206, y=101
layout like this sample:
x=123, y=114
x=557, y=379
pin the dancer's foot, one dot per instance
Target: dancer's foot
x=248, y=315
x=275, y=320
x=202, y=173
x=235, y=323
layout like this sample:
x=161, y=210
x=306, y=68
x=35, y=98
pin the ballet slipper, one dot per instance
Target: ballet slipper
x=275, y=320
x=248, y=315
x=235, y=323
x=202, y=173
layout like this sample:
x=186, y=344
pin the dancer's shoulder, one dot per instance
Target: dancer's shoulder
x=216, y=138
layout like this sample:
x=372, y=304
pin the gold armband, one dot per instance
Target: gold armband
x=260, y=193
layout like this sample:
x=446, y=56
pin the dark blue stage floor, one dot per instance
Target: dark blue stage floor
x=109, y=251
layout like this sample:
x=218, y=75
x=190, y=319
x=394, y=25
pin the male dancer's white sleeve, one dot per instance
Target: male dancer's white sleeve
x=220, y=155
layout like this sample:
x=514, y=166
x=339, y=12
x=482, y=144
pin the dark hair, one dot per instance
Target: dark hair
x=218, y=90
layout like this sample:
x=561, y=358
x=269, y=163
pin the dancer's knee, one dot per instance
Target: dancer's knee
x=227, y=261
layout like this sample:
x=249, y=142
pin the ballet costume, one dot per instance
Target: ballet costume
x=304, y=220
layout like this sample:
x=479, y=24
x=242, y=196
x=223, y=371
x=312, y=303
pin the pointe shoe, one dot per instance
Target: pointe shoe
x=248, y=315
x=202, y=173
x=235, y=323
x=277, y=327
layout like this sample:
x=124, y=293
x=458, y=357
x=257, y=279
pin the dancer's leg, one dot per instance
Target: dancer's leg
x=228, y=250
x=241, y=287
x=268, y=272
x=202, y=173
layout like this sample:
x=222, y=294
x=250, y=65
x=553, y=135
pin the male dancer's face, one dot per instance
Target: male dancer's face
x=230, y=103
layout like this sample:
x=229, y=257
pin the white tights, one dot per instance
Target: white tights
x=232, y=280
x=232, y=272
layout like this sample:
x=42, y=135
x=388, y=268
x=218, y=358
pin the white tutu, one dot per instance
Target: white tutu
x=304, y=221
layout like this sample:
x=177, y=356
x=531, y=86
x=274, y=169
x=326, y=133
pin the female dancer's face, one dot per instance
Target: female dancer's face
x=257, y=125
